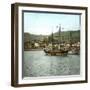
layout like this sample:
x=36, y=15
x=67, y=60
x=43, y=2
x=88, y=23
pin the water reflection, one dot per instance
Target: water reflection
x=36, y=64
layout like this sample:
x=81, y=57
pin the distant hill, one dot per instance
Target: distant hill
x=33, y=37
x=65, y=36
x=26, y=37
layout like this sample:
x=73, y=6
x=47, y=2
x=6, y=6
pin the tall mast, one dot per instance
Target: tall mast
x=59, y=35
x=70, y=38
x=52, y=39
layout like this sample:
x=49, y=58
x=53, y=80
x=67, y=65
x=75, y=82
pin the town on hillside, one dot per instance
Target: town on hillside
x=68, y=40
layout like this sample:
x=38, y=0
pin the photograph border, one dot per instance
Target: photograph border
x=14, y=43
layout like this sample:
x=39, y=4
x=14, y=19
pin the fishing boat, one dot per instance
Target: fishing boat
x=56, y=52
x=60, y=51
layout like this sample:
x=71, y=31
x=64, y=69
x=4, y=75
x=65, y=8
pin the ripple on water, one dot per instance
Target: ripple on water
x=36, y=64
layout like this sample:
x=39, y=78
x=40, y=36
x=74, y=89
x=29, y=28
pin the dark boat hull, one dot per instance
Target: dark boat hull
x=56, y=52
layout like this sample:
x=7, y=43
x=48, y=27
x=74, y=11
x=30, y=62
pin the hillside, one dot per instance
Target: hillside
x=33, y=37
x=65, y=36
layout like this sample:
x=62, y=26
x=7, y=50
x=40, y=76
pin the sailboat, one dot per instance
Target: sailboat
x=60, y=51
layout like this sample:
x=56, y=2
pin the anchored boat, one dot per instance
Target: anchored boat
x=60, y=51
x=56, y=52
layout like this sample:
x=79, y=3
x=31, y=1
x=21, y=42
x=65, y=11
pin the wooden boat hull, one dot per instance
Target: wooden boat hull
x=56, y=52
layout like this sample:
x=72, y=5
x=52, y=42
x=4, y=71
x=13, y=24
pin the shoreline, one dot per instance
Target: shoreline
x=33, y=49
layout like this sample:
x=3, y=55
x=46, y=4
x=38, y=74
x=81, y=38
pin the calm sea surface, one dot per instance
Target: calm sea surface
x=36, y=64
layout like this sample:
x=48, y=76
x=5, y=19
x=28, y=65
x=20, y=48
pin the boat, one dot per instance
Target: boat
x=54, y=52
x=74, y=52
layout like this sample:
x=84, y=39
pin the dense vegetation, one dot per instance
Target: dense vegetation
x=65, y=36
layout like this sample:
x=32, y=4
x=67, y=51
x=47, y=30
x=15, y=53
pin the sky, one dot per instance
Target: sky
x=46, y=23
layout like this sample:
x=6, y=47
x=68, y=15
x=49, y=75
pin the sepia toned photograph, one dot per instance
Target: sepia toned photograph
x=49, y=44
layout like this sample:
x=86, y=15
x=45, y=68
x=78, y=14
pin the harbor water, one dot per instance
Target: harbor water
x=37, y=64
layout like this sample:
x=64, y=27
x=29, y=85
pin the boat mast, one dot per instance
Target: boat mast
x=59, y=36
x=52, y=41
x=70, y=38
